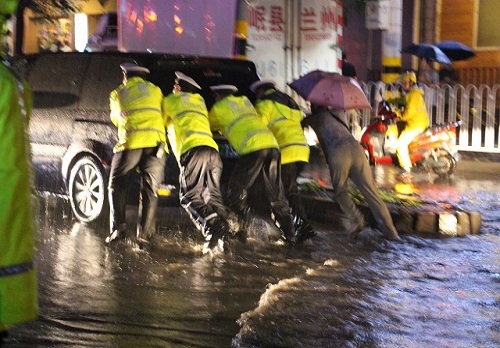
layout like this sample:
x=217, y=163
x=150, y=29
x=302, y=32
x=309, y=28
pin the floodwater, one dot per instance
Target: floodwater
x=423, y=292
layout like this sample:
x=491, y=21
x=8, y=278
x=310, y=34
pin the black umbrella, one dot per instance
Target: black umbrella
x=427, y=51
x=456, y=50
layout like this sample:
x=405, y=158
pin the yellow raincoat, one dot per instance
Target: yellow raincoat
x=285, y=123
x=186, y=118
x=415, y=113
x=18, y=281
x=137, y=115
x=237, y=119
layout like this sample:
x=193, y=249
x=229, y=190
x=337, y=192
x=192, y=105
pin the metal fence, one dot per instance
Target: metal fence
x=477, y=107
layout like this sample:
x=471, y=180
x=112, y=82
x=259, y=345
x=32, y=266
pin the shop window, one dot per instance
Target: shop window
x=488, y=34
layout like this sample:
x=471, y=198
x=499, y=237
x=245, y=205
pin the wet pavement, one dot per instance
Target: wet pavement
x=329, y=292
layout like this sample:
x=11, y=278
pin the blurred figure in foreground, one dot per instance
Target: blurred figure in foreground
x=196, y=151
x=236, y=118
x=283, y=116
x=18, y=281
x=135, y=109
x=346, y=160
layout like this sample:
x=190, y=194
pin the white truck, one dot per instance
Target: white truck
x=285, y=38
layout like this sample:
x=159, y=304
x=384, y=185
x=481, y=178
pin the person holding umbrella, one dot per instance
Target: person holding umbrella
x=430, y=77
x=346, y=160
x=344, y=154
x=236, y=118
x=456, y=51
x=427, y=74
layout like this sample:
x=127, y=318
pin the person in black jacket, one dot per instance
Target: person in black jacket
x=348, y=69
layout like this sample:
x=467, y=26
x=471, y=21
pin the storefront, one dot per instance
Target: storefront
x=64, y=34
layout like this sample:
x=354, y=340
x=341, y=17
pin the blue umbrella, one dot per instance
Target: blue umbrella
x=455, y=50
x=427, y=51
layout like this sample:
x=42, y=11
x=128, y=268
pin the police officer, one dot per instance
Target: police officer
x=283, y=116
x=136, y=112
x=196, y=151
x=236, y=118
x=18, y=283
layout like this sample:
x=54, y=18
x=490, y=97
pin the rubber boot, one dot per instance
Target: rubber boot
x=285, y=224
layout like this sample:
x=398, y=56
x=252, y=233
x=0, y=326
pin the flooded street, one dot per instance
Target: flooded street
x=329, y=292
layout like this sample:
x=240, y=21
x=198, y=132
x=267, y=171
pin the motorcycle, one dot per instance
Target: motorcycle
x=433, y=150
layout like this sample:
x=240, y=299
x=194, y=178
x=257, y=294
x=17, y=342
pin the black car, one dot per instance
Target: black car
x=72, y=137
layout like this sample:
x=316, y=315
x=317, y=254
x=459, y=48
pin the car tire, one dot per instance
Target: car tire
x=87, y=190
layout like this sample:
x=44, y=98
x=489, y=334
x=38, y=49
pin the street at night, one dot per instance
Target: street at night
x=329, y=292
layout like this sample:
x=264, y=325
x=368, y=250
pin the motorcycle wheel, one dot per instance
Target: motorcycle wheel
x=445, y=166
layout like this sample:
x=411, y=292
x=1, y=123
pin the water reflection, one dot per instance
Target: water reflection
x=424, y=292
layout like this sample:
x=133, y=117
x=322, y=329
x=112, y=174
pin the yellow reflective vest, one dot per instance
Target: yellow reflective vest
x=415, y=113
x=135, y=109
x=186, y=119
x=283, y=116
x=236, y=118
x=18, y=282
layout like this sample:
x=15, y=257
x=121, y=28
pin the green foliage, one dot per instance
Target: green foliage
x=388, y=197
x=314, y=188
x=398, y=102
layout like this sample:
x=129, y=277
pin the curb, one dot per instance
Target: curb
x=429, y=220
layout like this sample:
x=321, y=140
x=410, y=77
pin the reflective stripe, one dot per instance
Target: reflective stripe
x=189, y=133
x=211, y=216
x=198, y=220
x=184, y=113
x=294, y=144
x=131, y=111
x=276, y=120
x=231, y=125
x=16, y=269
x=251, y=134
x=133, y=130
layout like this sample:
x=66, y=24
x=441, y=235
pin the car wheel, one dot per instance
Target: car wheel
x=87, y=190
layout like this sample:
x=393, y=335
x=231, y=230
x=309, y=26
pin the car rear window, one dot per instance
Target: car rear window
x=56, y=80
x=206, y=73
x=103, y=76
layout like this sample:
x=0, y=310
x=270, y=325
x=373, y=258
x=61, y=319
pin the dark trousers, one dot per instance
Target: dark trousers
x=264, y=164
x=289, y=174
x=151, y=165
x=349, y=162
x=200, y=194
